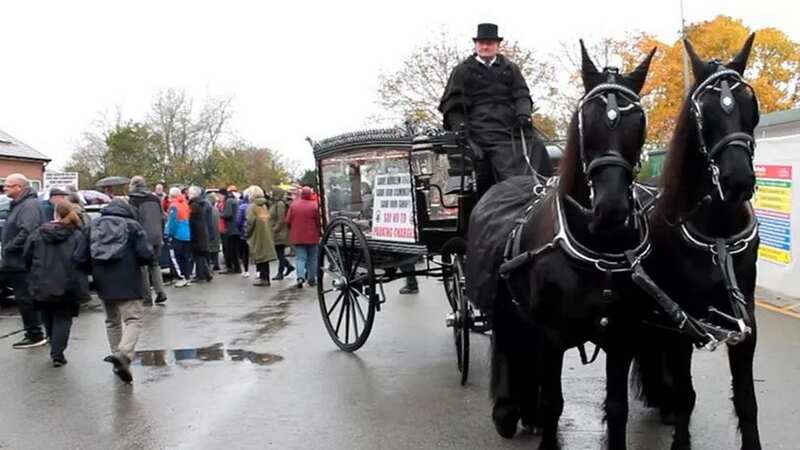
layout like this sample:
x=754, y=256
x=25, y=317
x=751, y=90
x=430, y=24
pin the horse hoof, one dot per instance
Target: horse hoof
x=505, y=420
x=549, y=444
x=681, y=446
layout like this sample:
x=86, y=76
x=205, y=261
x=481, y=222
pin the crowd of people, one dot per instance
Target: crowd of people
x=51, y=248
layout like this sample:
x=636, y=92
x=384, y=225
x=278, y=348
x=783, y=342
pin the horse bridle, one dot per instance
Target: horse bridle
x=725, y=81
x=608, y=93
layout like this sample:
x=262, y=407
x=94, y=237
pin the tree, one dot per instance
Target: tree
x=412, y=93
x=309, y=178
x=133, y=150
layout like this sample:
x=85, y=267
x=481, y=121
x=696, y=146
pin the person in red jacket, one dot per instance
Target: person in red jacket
x=304, y=234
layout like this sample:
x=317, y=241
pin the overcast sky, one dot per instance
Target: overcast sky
x=294, y=68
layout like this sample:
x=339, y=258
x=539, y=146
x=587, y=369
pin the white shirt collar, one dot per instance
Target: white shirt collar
x=489, y=64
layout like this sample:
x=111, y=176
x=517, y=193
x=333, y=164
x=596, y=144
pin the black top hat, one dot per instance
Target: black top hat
x=487, y=32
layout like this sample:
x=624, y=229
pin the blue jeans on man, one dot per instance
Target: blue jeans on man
x=306, y=263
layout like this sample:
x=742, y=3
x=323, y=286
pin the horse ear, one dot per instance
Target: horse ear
x=589, y=71
x=699, y=66
x=739, y=63
x=638, y=76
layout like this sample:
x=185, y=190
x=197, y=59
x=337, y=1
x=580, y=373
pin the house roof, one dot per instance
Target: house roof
x=779, y=117
x=12, y=147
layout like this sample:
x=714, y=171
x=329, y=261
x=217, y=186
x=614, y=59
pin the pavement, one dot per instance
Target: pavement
x=230, y=365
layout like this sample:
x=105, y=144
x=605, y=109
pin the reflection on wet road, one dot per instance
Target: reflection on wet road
x=216, y=352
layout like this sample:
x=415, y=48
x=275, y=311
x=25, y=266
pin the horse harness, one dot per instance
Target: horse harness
x=725, y=81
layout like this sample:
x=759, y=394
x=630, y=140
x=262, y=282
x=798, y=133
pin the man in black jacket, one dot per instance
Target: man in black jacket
x=151, y=217
x=198, y=224
x=230, y=238
x=24, y=218
x=119, y=248
x=488, y=94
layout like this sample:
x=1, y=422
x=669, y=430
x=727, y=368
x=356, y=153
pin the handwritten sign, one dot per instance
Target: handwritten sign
x=392, y=210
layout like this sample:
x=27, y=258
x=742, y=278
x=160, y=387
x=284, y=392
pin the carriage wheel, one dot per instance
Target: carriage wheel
x=346, y=284
x=462, y=314
x=447, y=280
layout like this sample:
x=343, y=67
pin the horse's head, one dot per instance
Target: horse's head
x=611, y=127
x=725, y=109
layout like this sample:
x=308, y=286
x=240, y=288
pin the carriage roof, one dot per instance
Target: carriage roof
x=381, y=139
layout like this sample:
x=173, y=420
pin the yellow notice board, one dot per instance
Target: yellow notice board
x=773, y=207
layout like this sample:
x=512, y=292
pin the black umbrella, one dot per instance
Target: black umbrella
x=112, y=181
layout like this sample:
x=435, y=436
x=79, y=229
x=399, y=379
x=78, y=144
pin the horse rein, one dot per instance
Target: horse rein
x=725, y=81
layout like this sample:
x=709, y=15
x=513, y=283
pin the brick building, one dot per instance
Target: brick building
x=18, y=157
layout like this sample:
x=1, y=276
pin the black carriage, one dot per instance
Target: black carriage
x=393, y=204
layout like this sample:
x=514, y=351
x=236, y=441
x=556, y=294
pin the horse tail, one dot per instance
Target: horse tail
x=651, y=375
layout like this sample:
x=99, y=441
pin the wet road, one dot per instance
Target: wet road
x=229, y=365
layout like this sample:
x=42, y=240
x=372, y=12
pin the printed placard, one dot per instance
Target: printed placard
x=773, y=207
x=392, y=210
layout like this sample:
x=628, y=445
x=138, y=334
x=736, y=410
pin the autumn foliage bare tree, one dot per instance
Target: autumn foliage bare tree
x=412, y=92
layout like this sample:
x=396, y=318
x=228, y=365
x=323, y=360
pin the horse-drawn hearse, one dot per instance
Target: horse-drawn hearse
x=645, y=273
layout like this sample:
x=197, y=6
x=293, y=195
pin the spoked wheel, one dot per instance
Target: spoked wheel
x=461, y=319
x=346, y=287
x=447, y=280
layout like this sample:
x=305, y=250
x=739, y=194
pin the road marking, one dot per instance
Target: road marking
x=786, y=310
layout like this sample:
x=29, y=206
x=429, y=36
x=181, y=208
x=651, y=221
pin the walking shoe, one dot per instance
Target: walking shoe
x=30, y=343
x=261, y=282
x=312, y=283
x=181, y=283
x=108, y=358
x=122, y=367
x=409, y=290
x=277, y=278
x=148, y=302
x=300, y=283
x=246, y=274
x=161, y=298
x=291, y=269
x=59, y=361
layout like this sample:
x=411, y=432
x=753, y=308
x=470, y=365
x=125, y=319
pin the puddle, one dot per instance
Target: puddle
x=216, y=352
x=269, y=318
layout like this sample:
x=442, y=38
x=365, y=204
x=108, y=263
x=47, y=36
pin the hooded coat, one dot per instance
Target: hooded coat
x=57, y=264
x=150, y=215
x=178, y=220
x=303, y=220
x=259, y=232
x=277, y=220
x=118, y=247
x=214, y=238
x=198, y=224
x=23, y=219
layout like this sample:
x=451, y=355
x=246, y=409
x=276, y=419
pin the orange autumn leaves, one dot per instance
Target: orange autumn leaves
x=773, y=69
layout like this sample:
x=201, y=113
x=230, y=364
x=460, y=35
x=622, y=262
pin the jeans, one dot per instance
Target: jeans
x=57, y=321
x=306, y=261
x=283, y=263
x=152, y=273
x=181, y=254
x=201, y=265
x=123, y=325
x=31, y=320
x=213, y=260
x=244, y=253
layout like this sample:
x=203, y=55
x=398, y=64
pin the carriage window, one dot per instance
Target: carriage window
x=374, y=189
x=441, y=200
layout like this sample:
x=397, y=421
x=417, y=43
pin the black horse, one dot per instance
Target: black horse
x=705, y=243
x=565, y=271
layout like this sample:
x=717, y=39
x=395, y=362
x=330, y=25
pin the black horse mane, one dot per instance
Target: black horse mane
x=570, y=170
x=676, y=193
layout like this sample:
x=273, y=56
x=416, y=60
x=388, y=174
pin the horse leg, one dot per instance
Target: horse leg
x=552, y=398
x=505, y=412
x=740, y=359
x=529, y=382
x=618, y=364
x=683, y=394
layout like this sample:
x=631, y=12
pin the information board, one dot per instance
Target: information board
x=392, y=210
x=773, y=207
x=60, y=179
